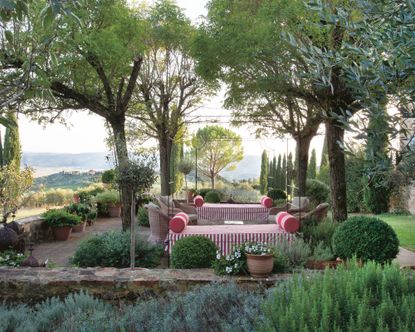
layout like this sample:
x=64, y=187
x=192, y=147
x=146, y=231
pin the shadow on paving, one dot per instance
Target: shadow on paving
x=59, y=252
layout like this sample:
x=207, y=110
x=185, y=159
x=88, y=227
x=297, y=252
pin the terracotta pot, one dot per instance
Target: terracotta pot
x=260, y=266
x=321, y=265
x=79, y=228
x=76, y=198
x=62, y=233
x=114, y=211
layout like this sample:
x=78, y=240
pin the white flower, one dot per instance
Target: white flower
x=218, y=256
x=236, y=265
x=227, y=258
x=228, y=269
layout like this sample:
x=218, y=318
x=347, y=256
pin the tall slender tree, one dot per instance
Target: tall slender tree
x=312, y=166
x=263, y=177
x=290, y=173
x=278, y=181
x=284, y=173
x=12, y=151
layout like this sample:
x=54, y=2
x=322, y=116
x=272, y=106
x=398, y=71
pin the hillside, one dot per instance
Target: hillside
x=67, y=180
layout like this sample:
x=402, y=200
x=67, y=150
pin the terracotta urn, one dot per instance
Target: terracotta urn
x=260, y=266
x=62, y=233
x=76, y=198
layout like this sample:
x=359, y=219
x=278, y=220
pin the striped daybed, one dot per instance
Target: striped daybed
x=227, y=236
x=242, y=212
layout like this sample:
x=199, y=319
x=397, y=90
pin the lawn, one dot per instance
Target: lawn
x=404, y=227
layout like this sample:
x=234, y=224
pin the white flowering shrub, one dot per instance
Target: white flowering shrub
x=258, y=248
x=11, y=258
x=234, y=263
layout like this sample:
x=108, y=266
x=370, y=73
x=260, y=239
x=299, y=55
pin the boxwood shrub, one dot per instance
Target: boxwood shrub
x=317, y=191
x=193, y=252
x=112, y=249
x=212, y=197
x=367, y=238
x=277, y=194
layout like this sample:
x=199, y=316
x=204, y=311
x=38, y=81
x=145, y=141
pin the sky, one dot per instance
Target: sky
x=86, y=132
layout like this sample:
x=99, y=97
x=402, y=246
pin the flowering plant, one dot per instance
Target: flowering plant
x=11, y=258
x=258, y=248
x=231, y=264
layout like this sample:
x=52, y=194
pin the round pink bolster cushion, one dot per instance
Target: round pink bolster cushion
x=289, y=223
x=198, y=200
x=266, y=202
x=280, y=216
x=178, y=222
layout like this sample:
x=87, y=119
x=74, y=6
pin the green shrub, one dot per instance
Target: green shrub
x=321, y=252
x=202, y=192
x=108, y=197
x=369, y=298
x=11, y=258
x=108, y=176
x=366, y=237
x=276, y=194
x=317, y=191
x=60, y=218
x=296, y=252
x=142, y=217
x=112, y=249
x=212, y=197
x=80, y=209
x=193, y=252
x=314, y=232
x=87, y=193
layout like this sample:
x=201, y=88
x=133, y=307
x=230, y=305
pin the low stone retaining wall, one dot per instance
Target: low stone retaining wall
x=35, y=229
x=31, y=285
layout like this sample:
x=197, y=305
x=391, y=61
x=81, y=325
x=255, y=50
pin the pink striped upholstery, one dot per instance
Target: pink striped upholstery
x=243, y=212
x=227, y=236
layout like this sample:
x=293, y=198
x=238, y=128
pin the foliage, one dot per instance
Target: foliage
x=218, y=148
x=232, y=264
x=60, y=218
x=81, y=210
x=297, y=252
x=203, y=191
x=314, y=232
x=185, y=166
x=263, y=177
x=353, y=298
x=176, y=155
x=108, y=176
x=67, y=180
x=11, y=258
x=109, y=197
x=312, y=165
x=193, y=252
x=317, y=192
x=276, y=194
x=212, y=197
x=322, y=252
x=367, y=238
x=142, y=217
x=356, y=181
x=12, y=150
x=112, y=249
x=86, y=194
x=14, y=184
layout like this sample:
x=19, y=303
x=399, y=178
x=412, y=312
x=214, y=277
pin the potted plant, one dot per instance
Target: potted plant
x=82, y=211
x=61, y=222
x=111, y=199
x=259, y=258
x=322, y=257
x=185, y=167
x=91, y=217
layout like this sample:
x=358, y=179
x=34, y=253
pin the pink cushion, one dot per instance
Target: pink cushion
x=266, y=202
x=280, y=216
x=198, y=200
x=290, y=224
x=177, y=223
x=185, y=215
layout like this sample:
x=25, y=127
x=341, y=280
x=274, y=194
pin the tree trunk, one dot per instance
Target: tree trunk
x=165, y=146
x=335, y=135
x=212, y=180
x=121, y=151
x=302, y=148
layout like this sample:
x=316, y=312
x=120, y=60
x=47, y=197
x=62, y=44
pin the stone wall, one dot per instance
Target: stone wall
x=31, y=285
x=35, y=229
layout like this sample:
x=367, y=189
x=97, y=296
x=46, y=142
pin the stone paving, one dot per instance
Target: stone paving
x=59, y=252
x=406, y=257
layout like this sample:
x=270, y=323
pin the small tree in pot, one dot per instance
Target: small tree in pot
x=185, y=167
x=111, y=199
x=139, y=176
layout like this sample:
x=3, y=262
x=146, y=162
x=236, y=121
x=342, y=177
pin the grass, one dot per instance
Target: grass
x=404, y=226
x=29, y=212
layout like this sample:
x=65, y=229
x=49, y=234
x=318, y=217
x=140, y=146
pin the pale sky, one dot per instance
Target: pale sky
x=87, y=133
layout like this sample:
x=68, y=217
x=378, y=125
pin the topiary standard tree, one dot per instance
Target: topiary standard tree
x=367, y=238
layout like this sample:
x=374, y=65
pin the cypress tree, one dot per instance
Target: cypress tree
x=1, y=152
x=12, y=151
x=290, y=172
x=284, y=172
x=278, y=181
x=263, y=177
x=323, y=172
x=274, y=173
x=378, y=192
x=312, y=165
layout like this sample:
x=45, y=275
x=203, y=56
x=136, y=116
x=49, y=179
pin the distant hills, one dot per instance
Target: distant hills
x=48, y=164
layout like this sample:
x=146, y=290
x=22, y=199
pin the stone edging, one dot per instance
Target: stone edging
x=31, y=285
